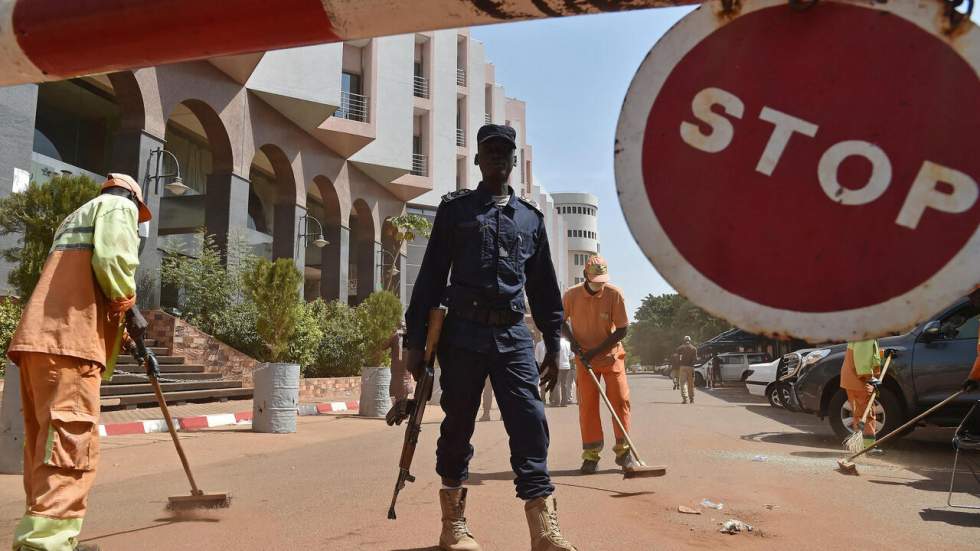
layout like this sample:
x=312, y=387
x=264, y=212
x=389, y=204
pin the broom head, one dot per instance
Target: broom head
x=199, y=501
x=847, y=467
x=645, y=471
x=855, y=442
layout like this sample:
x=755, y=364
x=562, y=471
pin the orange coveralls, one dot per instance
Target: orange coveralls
x=857, y=392
x=70, y=332
x=593, y=319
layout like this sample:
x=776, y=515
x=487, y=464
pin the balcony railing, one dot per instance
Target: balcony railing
x=460, y=137
x=460, y=76
x=421, y=87
x=420, y=165
x=486, y=118
x=353, y=107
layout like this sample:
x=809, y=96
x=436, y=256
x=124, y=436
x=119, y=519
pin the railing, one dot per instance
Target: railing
x=353, y=107
x=460, y=76
x=421, y=87
x=486, y=118
x=460, y=137
x=420, y=165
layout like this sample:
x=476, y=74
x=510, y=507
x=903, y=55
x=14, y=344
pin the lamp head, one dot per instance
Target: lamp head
x=177, y=186
x=320, y=242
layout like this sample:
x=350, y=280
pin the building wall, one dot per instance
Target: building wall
x=581, y=230
x=17, y=107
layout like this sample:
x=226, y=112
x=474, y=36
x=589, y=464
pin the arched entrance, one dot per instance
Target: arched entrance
x=330, y=262
x=364, y=261
x=271, y=211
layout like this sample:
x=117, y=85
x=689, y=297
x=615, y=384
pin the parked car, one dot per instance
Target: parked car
x=734, y=366
x=760, y=378
x=779, y=392
x=934, y=359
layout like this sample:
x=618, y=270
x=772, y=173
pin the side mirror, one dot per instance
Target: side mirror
x=932, y=331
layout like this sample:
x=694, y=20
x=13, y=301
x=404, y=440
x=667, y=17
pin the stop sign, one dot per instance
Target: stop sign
x=808, y=173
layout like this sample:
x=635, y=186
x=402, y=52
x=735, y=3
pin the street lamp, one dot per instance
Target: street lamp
x=318, y=241
x=175, y=186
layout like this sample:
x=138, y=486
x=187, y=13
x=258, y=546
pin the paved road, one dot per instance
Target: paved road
x=327, y=486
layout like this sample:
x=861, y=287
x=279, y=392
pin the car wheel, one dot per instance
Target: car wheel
x=772, y=394
x=887, y=411
x=698, y=380
x=784, y=390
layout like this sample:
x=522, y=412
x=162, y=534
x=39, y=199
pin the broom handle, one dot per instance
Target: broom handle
x=874, y=395
x=615, y=417
x=911, y=422
x=173, y=434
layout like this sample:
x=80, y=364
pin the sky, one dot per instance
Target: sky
x=573, y=73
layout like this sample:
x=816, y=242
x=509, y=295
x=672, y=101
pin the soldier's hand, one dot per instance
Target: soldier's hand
x=415, y=361
x=549, y=371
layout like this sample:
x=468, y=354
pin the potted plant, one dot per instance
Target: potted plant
x=274, y=289
x=377, y=318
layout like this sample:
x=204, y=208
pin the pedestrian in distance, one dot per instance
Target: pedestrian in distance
x=67, y=342
x=597, y=314
x=715, y=369
x=493, y=248
x=675, y=367
x=687, y=356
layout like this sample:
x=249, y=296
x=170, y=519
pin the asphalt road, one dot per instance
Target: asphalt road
x=327, y=487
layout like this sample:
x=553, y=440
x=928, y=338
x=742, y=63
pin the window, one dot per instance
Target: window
x=569, y=233
x=963, y=322
x=757, y=358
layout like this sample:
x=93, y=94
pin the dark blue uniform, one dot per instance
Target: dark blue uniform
x=491, y=256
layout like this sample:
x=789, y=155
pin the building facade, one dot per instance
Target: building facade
x=276, y=148
x=580, y=212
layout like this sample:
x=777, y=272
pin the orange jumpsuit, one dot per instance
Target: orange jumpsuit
x=69, y=334
x=857, y=392
x=593, y=319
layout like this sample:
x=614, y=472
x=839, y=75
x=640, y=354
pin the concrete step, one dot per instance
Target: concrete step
x=150, y=342
x=164, y=368
x=133, y=400
x=168, y=388
x=138, y=379
x=129, y=360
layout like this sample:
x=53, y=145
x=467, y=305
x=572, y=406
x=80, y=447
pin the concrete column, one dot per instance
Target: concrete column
x=11, y=424
x=226, y=209
x=402, y=277
x=131, y=149
x=286, y=242
x=18, y=107
x=333, y=268
x=368, y=269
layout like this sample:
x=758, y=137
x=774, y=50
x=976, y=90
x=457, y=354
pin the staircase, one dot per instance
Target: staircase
x=181, y=382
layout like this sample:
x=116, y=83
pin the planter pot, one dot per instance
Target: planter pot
x=375, y=382
x=276, y=397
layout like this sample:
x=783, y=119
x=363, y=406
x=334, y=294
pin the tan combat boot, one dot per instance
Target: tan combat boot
x=455, y=535
x=542, y=520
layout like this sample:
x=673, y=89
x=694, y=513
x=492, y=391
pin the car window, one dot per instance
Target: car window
x=757, y=358
x=962, y=324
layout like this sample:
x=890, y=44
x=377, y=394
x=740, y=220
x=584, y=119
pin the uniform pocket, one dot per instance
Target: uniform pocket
x=73, y=441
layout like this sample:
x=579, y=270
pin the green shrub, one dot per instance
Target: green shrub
x=10, y=311
x=309, y=333
x=339, y=351
x=377, y=318
x=235, y=326
x=274, y=289
x=34, y=215
x=207, y=290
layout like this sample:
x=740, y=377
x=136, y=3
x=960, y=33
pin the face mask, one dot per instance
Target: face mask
x=595, y=287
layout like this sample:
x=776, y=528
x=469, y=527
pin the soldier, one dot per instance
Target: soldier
x=495, y=247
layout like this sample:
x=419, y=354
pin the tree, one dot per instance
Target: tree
x=661, y=322
x=273, y=288
x=404, y=229
x=34, y=215
x=377, y=318
x=207, y=289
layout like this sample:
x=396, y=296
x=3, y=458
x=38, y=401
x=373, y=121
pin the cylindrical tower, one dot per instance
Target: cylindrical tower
x=580, y=211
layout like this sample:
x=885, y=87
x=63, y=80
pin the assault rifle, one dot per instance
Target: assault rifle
x=414, y=409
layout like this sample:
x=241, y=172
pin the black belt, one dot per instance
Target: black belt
x=496, y=318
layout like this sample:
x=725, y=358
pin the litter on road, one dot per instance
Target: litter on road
x=734, y=526
x=687, y=510
x=761, y=458
x=708, y=503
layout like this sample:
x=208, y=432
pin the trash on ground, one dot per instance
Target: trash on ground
x=708, y=503
x=687, y=510
x=733, y=526
x=770, y=506
x=760, y=458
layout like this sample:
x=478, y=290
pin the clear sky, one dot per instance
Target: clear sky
x=573, y=73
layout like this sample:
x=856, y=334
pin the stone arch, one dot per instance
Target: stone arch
x=272, y=208
x=129, y=96
x=364, y=250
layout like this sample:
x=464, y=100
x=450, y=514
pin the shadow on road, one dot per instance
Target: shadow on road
x=615, y=493
x=793, y=439
x=969, y=519
x=161, y=522
x=418, y=549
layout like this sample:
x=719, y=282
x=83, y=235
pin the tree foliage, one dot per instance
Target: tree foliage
x=273, y=286
x=207, y=289
x=378, y=317
x=34, y=215
x=404, y=229
x=661, y=322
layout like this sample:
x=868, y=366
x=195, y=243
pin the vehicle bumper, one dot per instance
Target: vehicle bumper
x=756, y=388
x=802, y=399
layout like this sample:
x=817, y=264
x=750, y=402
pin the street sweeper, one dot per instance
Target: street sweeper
x=67, y=342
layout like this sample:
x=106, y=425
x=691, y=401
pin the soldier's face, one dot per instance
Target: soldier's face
x=496, y=160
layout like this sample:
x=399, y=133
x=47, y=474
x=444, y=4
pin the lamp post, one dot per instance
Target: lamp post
x=318, y=240
x=176, y=186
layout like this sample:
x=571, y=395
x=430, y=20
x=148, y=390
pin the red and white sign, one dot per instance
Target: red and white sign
x=808, y=173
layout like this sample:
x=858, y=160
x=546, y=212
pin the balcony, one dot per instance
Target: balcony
x=486, y=118
x=353, y=107
x=420, y=165
x=460, y=138
x=421, y=87
x=460, y=76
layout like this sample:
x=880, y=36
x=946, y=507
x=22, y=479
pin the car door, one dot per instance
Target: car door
x=942, y=362
x=732, y=367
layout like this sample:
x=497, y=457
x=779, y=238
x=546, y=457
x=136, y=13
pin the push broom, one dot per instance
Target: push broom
x=197, y=499
x=847, y=465
x=855, y=441
x=642, y=470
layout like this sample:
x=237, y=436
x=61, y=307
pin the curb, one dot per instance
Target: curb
x=188, y=424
